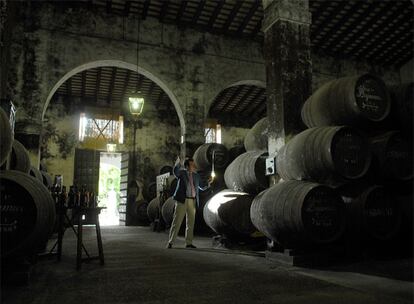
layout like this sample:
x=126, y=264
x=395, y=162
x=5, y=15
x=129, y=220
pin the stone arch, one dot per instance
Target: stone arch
x=120, y=64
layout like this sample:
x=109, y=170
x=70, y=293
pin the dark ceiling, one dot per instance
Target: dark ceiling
x=379, y=31
x=111, y=85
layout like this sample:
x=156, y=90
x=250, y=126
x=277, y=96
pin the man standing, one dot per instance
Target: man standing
x=186, y=197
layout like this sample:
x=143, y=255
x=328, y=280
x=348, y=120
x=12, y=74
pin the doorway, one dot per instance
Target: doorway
x=109, y=187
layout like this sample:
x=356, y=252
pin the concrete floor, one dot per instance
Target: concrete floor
x=139, y=269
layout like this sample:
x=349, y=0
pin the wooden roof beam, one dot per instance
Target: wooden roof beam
x=111, y=85
x=376, y=39
x=126, y=82
x=249, y=16
x=230, y=98
x=232, y=15
x=145, y=9
x=369, y=24
x=339, y=23
x=244, y=106
x=83, y=84
x=163, y=11
x=98, y=83
x=127, y=8
x=199, y=10
x=248, y=92
x=181, y=10
x=215, y=13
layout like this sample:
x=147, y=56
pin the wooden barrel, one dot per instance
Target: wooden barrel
x=297, y=213
x=347, y=101
x=247, y=172
x=27, y=214
x=324, y=153
x=256, y=137
x=36, y=174
x=166, y=169
x=6, y=137
x=140, y=212
x=236, y=151
x=19, y=158
x=228, y=213
x=153, y=209
x=47, y=179
x=372, y=214
x=167, y=211
x=150, y=191
x=203, y=156
x=402, y=98
x=392, y=156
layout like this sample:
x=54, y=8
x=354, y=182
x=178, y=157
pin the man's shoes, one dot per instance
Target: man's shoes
x=190, y=246
x=169, y=246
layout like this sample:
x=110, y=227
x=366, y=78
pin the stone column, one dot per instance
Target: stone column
x=194, y=121
x=286, y=27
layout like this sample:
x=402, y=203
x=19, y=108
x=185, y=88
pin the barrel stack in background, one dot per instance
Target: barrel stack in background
x=348, y=146
x=227, y=212
x=340, y=178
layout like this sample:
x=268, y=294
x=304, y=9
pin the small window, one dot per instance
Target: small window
x=101, y=128
x=212, y=132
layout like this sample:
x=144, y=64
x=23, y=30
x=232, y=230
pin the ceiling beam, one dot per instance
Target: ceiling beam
x=111, y=85
x=127, y=8
x=69, y=86
x=232, y=15
x=181, y=11
x=395, y=47
x=324, y=40
x=83, y=85
x=249, y=16
x=377, y=38
x=250, y=90
x=370, y=24
x=163, y=11
x=108, y=6
x=98, y=83
x=261, y=103
x=256, y=29
x=198, y=12
x=213, y=17
x=323, y=25
x=145, y=9
x=228, y=97
x=159, y=99
x=150, y=90
x=362, y=16
x=245, y=105
x=126, y=82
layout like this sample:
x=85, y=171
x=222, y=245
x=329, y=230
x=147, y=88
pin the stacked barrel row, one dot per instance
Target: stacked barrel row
x=228, y=212
x=27, y=207
x=313, y=204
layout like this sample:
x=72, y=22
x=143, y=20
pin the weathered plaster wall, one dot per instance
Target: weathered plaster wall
x=326, y=68
x=157, y=140
x=192, y=65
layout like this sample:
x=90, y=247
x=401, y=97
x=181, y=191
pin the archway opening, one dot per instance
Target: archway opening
x=234, y=111
x=89, y=110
